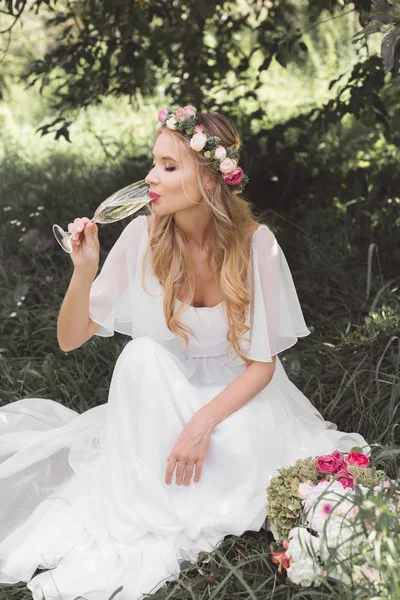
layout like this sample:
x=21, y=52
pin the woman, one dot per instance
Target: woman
x=200, y=415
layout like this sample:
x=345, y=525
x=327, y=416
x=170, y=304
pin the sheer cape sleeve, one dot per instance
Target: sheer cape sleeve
x=111, y=300
x=275, y=317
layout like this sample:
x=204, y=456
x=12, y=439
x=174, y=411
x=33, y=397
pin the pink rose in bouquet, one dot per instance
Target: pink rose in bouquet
x=280, y=558
x=357, y=459
x=345, y=478
x=340, y=459
x=327, y=463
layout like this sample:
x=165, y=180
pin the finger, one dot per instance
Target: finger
x=188, y=472
x=170, y=470
x=80, y=224
x=199, y=470
x=180, y=471
x=91, y=233
x=75, y=236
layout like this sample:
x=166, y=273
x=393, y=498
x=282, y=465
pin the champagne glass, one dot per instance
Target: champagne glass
x=121, y=204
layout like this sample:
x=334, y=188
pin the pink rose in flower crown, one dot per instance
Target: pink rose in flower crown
x=185, y=113
x=345, y=478
x=357, y=459
x=162, y=115
x=327, y=463
x=227, y=165
x=233, y=178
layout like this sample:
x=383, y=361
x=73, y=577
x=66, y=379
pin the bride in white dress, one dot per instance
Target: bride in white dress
x=182, y=453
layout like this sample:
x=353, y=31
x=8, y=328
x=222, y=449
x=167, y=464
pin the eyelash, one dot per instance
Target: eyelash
x=169, y=169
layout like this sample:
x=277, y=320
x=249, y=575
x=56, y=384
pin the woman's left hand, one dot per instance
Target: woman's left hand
x=189, y=451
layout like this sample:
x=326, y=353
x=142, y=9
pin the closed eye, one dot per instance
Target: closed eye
x=167, y=168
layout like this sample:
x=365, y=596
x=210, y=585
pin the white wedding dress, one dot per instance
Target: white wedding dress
x=83, y=495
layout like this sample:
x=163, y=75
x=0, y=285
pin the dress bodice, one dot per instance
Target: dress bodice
x=120, y=300
x=210, y=327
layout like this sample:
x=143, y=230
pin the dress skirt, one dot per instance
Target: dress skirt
x=84, y=497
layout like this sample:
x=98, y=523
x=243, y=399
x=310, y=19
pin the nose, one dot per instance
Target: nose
x=151, y=177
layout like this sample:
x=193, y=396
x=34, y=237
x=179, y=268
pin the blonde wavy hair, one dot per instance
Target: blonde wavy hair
x=228, y=236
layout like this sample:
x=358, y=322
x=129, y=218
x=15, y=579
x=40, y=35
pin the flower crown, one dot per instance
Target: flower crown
x=222, y=159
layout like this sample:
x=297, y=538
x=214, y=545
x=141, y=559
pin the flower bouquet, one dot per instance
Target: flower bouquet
x=318, y=513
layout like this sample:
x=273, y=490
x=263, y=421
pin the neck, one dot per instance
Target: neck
x=194, y=225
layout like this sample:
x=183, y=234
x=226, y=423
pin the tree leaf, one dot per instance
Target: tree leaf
x=389, y=48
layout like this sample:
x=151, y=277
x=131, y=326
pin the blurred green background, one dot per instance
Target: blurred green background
x=320, y=122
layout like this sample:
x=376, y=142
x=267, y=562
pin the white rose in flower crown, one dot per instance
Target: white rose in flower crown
x=198, y=141
x=220, y=153
x=228, y=165
x=159, y=125
x=172, y=123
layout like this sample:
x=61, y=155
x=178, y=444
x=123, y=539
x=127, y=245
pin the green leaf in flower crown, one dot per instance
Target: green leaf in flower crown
x=232, y=153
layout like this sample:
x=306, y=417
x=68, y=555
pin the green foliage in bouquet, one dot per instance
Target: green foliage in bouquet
x=368, y=477
x=284, y=506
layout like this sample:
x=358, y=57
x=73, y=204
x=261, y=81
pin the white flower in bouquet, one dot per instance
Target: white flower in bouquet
x=304, y=489
x=305, y=572
x=340, y=575
x=334, y=488
x=337, y=502
x=302, y=544
x=341, y=539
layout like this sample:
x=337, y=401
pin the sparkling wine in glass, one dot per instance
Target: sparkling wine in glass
x=119, y=205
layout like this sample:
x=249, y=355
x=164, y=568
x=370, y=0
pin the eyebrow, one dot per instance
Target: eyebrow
x=165, y=158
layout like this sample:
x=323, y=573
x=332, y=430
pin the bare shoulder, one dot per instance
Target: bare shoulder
x=252, y=228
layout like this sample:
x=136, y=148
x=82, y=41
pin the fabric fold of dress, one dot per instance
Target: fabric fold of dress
x=83, y=495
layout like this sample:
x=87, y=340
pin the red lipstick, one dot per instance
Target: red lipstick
x=154, y=196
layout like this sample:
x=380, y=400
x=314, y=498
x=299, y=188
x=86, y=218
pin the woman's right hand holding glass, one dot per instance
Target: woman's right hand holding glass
x=85, y=245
